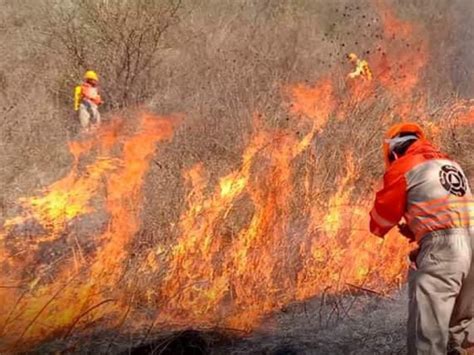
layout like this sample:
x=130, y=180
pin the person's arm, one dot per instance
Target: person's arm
x=389, y=206
x=99, y=100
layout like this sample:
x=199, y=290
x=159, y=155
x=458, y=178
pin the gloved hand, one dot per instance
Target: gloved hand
x=406, y=231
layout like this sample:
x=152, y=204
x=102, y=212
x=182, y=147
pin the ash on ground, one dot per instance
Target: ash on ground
x=357, y=324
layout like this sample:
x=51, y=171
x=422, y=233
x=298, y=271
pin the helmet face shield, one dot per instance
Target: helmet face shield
x=398, y=144
x=399, y=134
x=399, y=140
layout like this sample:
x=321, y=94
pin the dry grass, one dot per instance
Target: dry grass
x=218, y=62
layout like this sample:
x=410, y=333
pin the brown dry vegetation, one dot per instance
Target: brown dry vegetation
x=217, y=62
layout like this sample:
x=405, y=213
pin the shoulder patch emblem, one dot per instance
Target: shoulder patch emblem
x=453, y=180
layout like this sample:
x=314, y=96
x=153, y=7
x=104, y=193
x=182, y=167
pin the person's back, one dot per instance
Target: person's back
x=432, y=193
x=438, y=194
x=439, y=197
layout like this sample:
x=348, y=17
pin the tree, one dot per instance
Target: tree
x=119, y=39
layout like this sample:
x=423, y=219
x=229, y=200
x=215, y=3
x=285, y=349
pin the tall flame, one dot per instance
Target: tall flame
x=82, y=284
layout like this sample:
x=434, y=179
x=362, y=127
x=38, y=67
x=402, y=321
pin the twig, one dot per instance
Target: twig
x=322, y=305
x=122, y=321
x=351, y=304
x=334, y=311
x=147, y=333
x=84, y=313
x=164, y=344
x=41, y=311
x=229, y=330
x=364, y=289
x=7, y=320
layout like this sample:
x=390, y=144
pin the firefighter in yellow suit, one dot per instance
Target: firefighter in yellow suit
x=87, y=100
x=361, y=67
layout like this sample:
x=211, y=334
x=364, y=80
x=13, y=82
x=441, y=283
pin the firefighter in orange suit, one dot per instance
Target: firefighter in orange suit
x=87, y=100
x=431, y=193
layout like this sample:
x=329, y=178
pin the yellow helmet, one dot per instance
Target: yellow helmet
x=91, y=75
x=352, y=56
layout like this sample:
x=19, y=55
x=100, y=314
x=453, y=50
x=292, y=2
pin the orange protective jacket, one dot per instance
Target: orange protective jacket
x=426, y=188
x=86, y=92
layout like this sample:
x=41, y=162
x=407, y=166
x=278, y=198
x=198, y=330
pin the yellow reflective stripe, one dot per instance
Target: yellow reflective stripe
x=441, y=209
x=435, y=205
x=77, y=97
x=457, y=222
x=464, y=210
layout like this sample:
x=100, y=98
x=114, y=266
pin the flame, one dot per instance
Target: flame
x=242, y=277
x=81, y=284
x=342, y=253
x=333, y=220
x=315, y=102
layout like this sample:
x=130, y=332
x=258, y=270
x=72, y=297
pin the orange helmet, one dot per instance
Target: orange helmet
x=396, y=131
